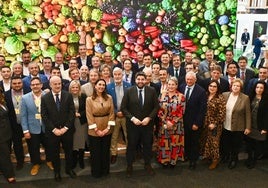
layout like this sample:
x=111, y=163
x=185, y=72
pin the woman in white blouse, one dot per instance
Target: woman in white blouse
x=237, y=122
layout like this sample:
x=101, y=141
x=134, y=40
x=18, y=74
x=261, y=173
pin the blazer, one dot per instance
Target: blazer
x=5, y=128
x=249, y=74
x=224, y=84
x=28, y=112
x=52, y=118
x=241, y=114
x=2, y=85
x=11, y=113
x=27, y=82
x=82, y=108
x=182, y=74
x=245, y=37
x=131, y=108
x=88, y=63
x=262, y=114
x=195, y=107
x=111, y=91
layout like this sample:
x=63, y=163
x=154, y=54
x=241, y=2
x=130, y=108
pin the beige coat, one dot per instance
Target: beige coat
x=99, y=115
x=241, y=115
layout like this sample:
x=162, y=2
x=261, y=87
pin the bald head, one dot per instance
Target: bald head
x=55, y=84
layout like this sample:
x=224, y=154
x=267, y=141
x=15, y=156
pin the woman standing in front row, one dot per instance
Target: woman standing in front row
x=5, y=135
x=237, y=122
x=171, y=131
x=80, y=134
x=259, y=119
x=100, y=118
x=216, y=111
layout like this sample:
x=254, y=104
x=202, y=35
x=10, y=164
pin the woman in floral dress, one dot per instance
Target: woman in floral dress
x=171, y=131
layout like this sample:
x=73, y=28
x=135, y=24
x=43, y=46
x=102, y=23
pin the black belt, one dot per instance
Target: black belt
x=101, y=115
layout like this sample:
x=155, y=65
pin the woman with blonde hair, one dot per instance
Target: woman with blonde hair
x=80, y=123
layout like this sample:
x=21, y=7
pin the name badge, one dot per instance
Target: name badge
x=17, y=111
x=37, y=116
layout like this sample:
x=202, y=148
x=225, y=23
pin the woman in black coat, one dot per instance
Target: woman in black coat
x=259, y=118
x=5, y=135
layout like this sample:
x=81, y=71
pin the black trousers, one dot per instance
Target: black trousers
x=191, y=141
x=5, y=160
x=34, y=147
x=231, y=143
x=255, y=148
x=135, y=135
x=100, y=155
x=17, y=136
x=53, y=149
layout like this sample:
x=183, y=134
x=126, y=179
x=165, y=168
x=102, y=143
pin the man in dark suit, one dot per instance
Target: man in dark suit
x=262, y=76
x=245, y=37
x=57, y=112
x=176, y=69
x=216, y=75
x=34, y=72
x=229, y=58
x=117, y=89
x=196, y=102
x=6, y=75
x=83, y=58
x=59, y=62
x=140, y=106
x=13, y=99
x=244, y=73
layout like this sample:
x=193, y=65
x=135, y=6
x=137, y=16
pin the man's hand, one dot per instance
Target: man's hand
x=27, y=135
x=136, y=121
x=77, y=115
x=119, y=114
x=57, y=132
x=63, y=130
x=146, y=121
x=211, y=126
x=194, y=127
x=247, y=131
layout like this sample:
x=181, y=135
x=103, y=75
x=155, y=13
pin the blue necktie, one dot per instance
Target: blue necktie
x=57, y=101
x=140, y=98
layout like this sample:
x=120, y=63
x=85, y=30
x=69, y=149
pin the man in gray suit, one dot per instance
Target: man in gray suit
x=139, y=106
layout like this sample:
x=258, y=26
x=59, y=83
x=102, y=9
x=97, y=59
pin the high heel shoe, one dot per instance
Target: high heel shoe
x=11, y=180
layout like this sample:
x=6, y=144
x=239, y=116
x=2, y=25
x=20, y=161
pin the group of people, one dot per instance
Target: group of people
x=192, y=108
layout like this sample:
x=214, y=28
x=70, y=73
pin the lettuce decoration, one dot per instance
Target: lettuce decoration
x=73, y=38
x=13, y=45
x=96, y=15
x=50, y=52
x=31, y=2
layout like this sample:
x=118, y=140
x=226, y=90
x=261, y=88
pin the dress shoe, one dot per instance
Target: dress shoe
x=71, y=173
x=113, y=159
x=57, y=176
x=224, y=159
x=172, y=166
x=50, y=165
x=11, y=180
x=129, y=171
x=19, y=166
x=149, y=169
x=232, y=164
x=213, y=165
x=35, y=169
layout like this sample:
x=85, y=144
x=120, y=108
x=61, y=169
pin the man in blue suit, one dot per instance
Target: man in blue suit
x=196, y=102
x=34, y=72
x=117, y=89
x=33, y=129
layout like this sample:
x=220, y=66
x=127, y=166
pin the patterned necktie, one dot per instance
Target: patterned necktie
x=242, y=75
x=57, y=101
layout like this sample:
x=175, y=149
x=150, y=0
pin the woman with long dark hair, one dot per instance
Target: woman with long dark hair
x=215, y=115
x=5, y=135
x=259, y=122
x=100, y=118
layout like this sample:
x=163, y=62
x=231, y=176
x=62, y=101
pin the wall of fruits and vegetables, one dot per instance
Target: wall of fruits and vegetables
x=46, y=27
